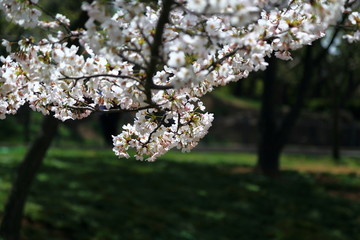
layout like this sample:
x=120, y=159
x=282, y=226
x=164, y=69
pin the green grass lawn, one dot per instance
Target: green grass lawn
x=92, y=195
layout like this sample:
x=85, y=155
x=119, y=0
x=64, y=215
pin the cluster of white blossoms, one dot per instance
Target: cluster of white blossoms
x=26, y=13
x=21, y=12
x=354, y=22
x=157, y=60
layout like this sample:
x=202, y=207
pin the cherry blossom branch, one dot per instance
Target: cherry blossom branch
x=326, y=49
x=214, y=64
x=160, y=58
x=113, y=110
x=138, y=65
x=100, y=75
x=160, y=123
x=143, y=35
x=155, y=47
x=139, y=52
x=66, y=27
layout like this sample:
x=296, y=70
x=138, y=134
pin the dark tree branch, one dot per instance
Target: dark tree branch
x=325, y=51
x=310, y=63
x=302, y=89
x=113, y=110
x=155, y=47
x=137, y=65
x=100, y=75
x=213, y=65
x=66, y=27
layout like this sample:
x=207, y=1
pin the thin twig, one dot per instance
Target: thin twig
x=100, y=75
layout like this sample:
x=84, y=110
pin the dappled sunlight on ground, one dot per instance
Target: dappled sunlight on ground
x=90, y=194
x=318, y=168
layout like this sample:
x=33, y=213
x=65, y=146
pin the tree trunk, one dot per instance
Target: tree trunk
x=268, y=149
x=273, y=134
x=269, y=157
x=109, y=126
x=336, y=124
x=13, y=212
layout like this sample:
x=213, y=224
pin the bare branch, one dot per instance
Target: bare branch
x=100, y=75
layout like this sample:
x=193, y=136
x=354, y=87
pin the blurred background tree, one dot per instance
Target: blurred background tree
x=311, y=101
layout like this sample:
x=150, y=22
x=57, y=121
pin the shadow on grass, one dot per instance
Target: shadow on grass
x=103, y=198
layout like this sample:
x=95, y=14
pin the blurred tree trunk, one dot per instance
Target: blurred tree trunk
x=250, y=92
x=13, y=212
x=268, y=149
x=109, y=126
x=273, y=133
x=336, y=124
x=342, y=92
x=24, y=116
x=245, y=88
x=238, y=90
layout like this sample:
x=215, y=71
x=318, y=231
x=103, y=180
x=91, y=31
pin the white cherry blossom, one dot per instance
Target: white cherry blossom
x=157, y=61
